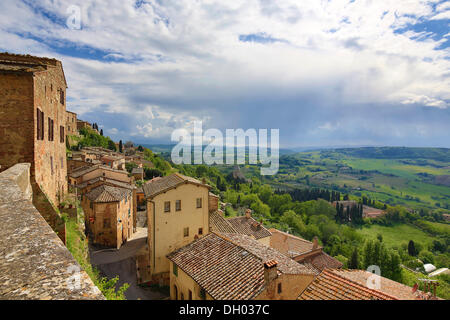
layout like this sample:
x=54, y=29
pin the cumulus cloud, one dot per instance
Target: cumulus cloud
x=148, y=67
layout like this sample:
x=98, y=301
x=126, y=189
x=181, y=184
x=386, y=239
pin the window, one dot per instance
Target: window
x=51, y=164
x=50, y=129
x=178, y=205
x=62, y=134
x=199, y=202
x=129, y=213
x=40, y=125
x=186, y=232
x=175, y=269
x=61, y=96
x=279, y=288
x=182, y=296
x=167, y=206
x=106, y=223
x=190, y=295
x=200, y=231
x=91, y=205
x=203, y=294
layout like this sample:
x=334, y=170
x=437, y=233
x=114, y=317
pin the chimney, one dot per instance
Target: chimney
x=248, y=213
x=270, y=271
x=315, y=243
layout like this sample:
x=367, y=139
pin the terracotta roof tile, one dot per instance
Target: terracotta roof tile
x=157, y=186
x=388, y=286
x=104, y=193
x=225, y=269
x=219, y=223
x=329, y=285
x=249, y=227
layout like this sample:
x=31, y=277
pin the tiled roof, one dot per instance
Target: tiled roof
x=329, y=285
x=219, y=223
x=106, y=180
x=158, y=186
x=388, y=286
x=137, y=171
x=265, y=253
x=104, y=193
x=84, y=170
x=289, y=244
x=294, y=247
x=249, y=226
x=224, y=269
x=323, y=261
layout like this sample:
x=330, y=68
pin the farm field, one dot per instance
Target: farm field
x=418, y=181
x=394, y=236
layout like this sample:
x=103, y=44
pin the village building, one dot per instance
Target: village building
x=83, y=125
x=109, y=215
x=235, y=267
x=138, y=174
x=140, y=199
x=303, y=251
x=242, y=225
x=87, y=173
x=71, y=123
x=33, y=121
x=113, y=162
x=74, y=164
x=177, y=213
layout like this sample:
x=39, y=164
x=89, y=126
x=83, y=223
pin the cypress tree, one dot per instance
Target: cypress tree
x=354, y=260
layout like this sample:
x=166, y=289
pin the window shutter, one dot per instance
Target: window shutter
x=42, y=125
x=38, y=124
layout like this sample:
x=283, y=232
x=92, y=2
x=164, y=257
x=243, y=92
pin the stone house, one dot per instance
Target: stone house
x=109, y=215
x=177, y=214
x=87, y=173
x=235, y=267
x=113, y=162
x=83, y=125
x=303, y=251
x=71, y=123
x=33, y=121
x=138, y=174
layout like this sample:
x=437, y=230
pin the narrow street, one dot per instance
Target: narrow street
x=122, y=263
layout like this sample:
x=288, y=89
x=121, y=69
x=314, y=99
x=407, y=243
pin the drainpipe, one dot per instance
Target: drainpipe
x=154, y=234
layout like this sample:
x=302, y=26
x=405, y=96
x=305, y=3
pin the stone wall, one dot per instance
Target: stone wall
x=34, y=263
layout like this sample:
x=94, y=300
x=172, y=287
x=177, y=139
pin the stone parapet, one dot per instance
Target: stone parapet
x=34, y=263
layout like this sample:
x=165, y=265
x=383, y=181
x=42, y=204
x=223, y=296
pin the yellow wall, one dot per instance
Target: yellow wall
x=169, y=227
x=291, y=287
x=184, y=283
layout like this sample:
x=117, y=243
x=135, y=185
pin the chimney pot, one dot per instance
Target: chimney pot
x=270, y=271
x=315, y=243
x=248, y=213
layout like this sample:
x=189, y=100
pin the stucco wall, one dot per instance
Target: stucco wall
x=169, y=227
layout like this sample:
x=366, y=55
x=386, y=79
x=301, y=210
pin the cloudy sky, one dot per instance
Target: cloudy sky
x=353, y=72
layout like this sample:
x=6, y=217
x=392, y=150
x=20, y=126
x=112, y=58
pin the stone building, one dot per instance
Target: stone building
x=177, y=214
x=33, y=121
x=235, y=267
x=71, y=123
x=109, y=215
x=83, y=125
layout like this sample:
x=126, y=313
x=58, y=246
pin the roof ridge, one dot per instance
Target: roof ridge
x=330, y=272
x=222, y=235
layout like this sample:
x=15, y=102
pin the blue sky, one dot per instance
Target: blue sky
x=323, y=72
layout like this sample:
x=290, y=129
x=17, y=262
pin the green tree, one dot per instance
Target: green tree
x=353, y=263
x=412, y=249
x=120, y=146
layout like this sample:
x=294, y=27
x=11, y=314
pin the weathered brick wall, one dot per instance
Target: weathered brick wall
x=16, y=120
x=71, y=123
x=50, y=156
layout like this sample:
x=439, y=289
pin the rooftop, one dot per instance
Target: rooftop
x=220, y=224
x=157, y=186
x=105, y=194
x=249, y=227
x=227, y=270
x=302, y=250
x=329, y=285
x=388, y=286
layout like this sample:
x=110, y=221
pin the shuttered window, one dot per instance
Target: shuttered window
x=51, y=131
x=62, y=134
x=40, y=125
